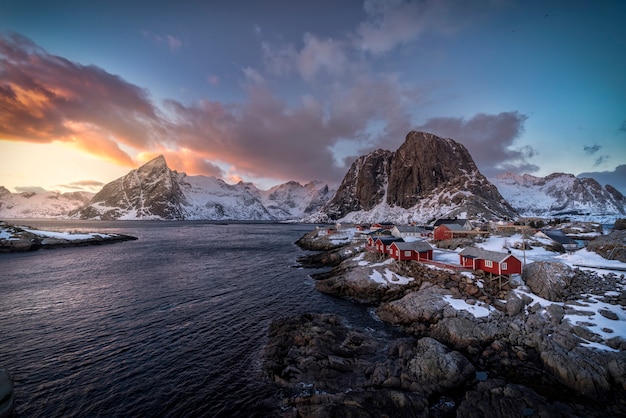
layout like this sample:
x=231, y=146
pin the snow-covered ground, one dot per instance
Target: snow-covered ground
x=585, y=311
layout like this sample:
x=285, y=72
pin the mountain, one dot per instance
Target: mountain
x=40, y=205
x=426, y=178
x=561, y=195
x=154, y=191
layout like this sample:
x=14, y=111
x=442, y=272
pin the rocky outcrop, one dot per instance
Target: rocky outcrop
x=534, y=358
x=352, y=373
x=427, y=174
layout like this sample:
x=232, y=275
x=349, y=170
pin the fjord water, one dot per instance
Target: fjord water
x=172, y=324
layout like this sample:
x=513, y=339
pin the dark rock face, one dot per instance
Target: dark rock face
x=363, y=186
x=152, y=190
x=418, y=173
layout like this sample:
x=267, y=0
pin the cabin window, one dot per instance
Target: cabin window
x=488, y=263
x=503, y=266
x=407, y=253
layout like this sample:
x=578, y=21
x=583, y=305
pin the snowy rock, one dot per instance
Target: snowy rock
x=550, y=280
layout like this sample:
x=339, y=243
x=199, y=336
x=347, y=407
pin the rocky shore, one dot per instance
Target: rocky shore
x=473, y=347
x=20, y=239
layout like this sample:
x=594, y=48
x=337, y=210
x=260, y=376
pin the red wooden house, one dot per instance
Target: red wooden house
x=448, y=231
x=416, y=250
x=383, y=243
x=502, y=264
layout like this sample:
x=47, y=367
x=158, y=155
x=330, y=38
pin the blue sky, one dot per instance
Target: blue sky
x=294, y=90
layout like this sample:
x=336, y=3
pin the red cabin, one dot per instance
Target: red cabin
x=416, y=250
x=490, y=261
x=448, y=231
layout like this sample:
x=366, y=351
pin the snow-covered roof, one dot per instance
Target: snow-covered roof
x=419, y=246
x=474, y=252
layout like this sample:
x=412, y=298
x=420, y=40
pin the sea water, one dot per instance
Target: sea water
x=172, y=324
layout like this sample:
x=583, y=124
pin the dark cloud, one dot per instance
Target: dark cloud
x=615, y=178
x=490, y=139
x=623, y=127
x=592, y=149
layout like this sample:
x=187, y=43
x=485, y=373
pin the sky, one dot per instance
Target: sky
x=281, y=90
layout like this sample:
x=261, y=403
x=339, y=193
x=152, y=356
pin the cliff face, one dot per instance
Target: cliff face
x=426, y=177
x=364, y=185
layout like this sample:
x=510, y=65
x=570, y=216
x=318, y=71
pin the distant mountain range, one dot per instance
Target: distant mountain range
x=154, y=191
x=40, y=205
x=426, y=178
x=561, y=195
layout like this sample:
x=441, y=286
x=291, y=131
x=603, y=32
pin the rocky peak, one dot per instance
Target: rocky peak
x=429, y=175
x=150, y=191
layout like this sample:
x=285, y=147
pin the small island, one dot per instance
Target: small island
x=23, y=238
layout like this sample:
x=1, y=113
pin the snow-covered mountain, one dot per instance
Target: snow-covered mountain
x=153, y=191
x=561, y=195
x=40, y=205
x=426, y=178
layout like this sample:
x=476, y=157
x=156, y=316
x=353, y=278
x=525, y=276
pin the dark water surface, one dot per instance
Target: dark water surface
x=170, y=325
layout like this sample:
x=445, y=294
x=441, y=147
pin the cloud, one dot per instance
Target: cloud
x=319, y=55
x=615, y=178
x=172, y=42
x=83, y=185
x=45, y=98
x=601, y=160
x=490, y=139
x=30, y=189
x=592, y=149
x=623, y=127
x=392, y=23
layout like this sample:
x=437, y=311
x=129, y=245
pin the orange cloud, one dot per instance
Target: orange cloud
x=46, y=98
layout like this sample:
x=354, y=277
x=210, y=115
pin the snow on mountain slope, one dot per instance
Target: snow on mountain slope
x=40, y=205
x=561, y=195
x=292, y=200
x=153, y=191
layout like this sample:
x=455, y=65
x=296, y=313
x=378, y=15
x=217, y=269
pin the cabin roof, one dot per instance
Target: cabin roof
x=558, y=236
x=454, y=227
x=474, y=252
x=419, y=246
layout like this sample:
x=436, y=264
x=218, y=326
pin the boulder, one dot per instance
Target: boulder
x=549, y=280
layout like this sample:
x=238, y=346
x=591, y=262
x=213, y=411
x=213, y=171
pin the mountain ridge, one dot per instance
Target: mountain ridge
x=561, y=195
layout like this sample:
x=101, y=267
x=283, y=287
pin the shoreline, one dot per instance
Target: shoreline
x=504, y=351
x=23, y=239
